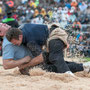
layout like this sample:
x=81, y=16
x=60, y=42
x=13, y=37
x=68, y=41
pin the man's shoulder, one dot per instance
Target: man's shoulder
x=6, y=42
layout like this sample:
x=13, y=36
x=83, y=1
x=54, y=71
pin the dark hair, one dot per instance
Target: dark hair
x=9, y=14
x=13, y=33
x=53, y=27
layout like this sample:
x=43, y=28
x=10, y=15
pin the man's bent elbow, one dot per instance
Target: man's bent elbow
x=5, y=67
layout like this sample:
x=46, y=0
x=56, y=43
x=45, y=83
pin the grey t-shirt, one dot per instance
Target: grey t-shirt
x=14, y=52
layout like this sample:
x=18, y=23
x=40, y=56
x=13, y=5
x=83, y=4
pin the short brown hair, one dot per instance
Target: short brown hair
x=13, y=33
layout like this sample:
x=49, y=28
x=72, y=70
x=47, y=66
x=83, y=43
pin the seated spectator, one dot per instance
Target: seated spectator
x=37, y=20
x=43, y=12
x=75, y=13
x=79, y=3
x=55, y=15
x=50, y=13
x=36, y=13
x=77, y=25
x=80, y=48
x=1, y=17
x=72, y=9
x=72, y=17
x=0, y=8
x=83, y=7
x=74, y=3
x=69, y=12
x=68, y=5
x=86, y=21
x=46, y=19
x=32, y=4
x=10, y=21
x=87, y=52
x=62, y=4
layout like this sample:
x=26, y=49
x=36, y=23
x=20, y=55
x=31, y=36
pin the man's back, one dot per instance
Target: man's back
x=35, y=33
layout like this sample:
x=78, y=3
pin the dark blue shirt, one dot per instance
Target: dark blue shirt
x=35, y=33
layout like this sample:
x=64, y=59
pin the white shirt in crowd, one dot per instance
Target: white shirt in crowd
x=83, y=7
x=37, y=20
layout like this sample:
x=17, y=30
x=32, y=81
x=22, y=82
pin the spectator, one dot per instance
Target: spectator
x=50, y=13
x=74, y=3
x=37, y=20
x=1, y=17
x=0, y=8
x=72, y=17
x=67, y=4
x=86, y=21
x=10, y=21
x=83, y=7
x=77, y=25
x=43, y=12
x=55, y=15
x=36, y=13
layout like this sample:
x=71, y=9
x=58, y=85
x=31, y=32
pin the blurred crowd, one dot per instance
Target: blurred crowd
x=72, y=14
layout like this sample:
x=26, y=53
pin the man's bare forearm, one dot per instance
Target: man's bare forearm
x=33, y=62
x=10, y=63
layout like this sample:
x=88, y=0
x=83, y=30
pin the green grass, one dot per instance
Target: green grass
x=87, y=58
